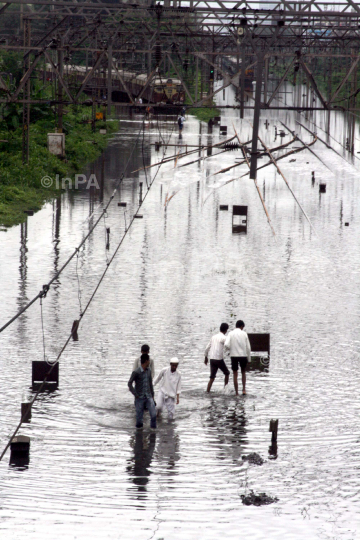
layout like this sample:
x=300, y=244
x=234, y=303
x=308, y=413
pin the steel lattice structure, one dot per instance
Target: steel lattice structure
x=307, y=41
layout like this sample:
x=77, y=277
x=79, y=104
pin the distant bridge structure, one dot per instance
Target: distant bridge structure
x=311, y=43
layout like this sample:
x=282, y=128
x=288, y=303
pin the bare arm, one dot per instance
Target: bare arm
x=178, y=390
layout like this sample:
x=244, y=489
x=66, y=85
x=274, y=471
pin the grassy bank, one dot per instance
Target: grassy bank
x=20, y=185
x=204, y=114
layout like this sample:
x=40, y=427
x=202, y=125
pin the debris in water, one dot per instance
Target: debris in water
x=253, y=458
x=257, y=500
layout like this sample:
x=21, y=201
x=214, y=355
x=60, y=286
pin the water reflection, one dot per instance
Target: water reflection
x=173, y=288
x=228, y=421
x=168, y=449
x=143, y=446
x=22, y=298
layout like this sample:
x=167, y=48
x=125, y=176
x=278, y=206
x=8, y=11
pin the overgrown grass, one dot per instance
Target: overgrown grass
x=204, y=114
x=20, y=185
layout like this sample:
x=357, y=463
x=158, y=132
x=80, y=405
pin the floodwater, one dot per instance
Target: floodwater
x=179, y=273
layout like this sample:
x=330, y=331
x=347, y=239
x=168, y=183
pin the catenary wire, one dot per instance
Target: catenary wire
x=46, y=287
x=24, y=415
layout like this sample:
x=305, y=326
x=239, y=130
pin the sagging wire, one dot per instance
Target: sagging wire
x=44, y=292
x=55, y=277
x=78, y=281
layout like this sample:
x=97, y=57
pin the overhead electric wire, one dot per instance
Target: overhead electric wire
x=306, y=146
x=46, y=287
x=24, y=415
x=283, y=177
x=243, y=149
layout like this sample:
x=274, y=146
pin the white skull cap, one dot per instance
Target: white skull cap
x=174, y=360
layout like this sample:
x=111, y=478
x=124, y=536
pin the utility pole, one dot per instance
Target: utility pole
x=109, y=81
x=197, y=79
x=329, y=74
x=257, y=107
x=27, y=87
x=60, y=66
x=266, y=76
x=352, y=103
x=242, y=95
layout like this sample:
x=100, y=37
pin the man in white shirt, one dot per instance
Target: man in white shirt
x=215, y=349
x=145, y=349
x=170, y=388
x=240, y=353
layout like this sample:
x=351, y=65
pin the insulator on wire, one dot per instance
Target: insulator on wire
x=74, y=330
x=231, y=146
x=157, y=54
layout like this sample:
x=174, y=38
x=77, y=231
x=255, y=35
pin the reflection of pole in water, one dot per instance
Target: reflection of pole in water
x=56, y=242
x=92, y=195
x=230, y=424
x=23, y=251
x=200, y=130
x=22, y=298
x=102, y=177
x=56, y=231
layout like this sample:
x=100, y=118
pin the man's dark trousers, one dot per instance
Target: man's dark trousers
x=140, y=404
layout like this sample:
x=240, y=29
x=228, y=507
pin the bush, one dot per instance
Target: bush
x=20, y=185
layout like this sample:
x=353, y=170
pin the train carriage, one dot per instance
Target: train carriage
x=160, y=92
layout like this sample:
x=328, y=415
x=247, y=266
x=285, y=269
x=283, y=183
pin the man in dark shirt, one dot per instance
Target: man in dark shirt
x=143, y=392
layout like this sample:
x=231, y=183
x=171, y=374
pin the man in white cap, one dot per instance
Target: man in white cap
x=169, y=389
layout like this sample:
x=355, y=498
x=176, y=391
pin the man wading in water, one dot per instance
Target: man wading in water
x=143, y=392
x=170, y=388
x=181, y=121
x=240, y=353
x=145, y=349
x=215, y=349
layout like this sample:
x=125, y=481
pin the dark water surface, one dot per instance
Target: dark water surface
x=179, y=274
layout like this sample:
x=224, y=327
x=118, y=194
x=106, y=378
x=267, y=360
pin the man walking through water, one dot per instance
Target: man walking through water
x=215, y=349
x=137, y=363
x=143, y=392
x=240, y=352
x=181, y=121
x=170, y=388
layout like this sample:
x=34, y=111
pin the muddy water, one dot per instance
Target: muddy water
x=179, y=274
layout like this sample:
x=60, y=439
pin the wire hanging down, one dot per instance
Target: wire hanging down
x=67, y=262
x=24, y=416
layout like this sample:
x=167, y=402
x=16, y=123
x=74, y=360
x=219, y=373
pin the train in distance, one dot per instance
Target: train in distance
x=161, y=91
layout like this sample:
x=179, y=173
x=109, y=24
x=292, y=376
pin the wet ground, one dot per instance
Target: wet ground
x=178, y=275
